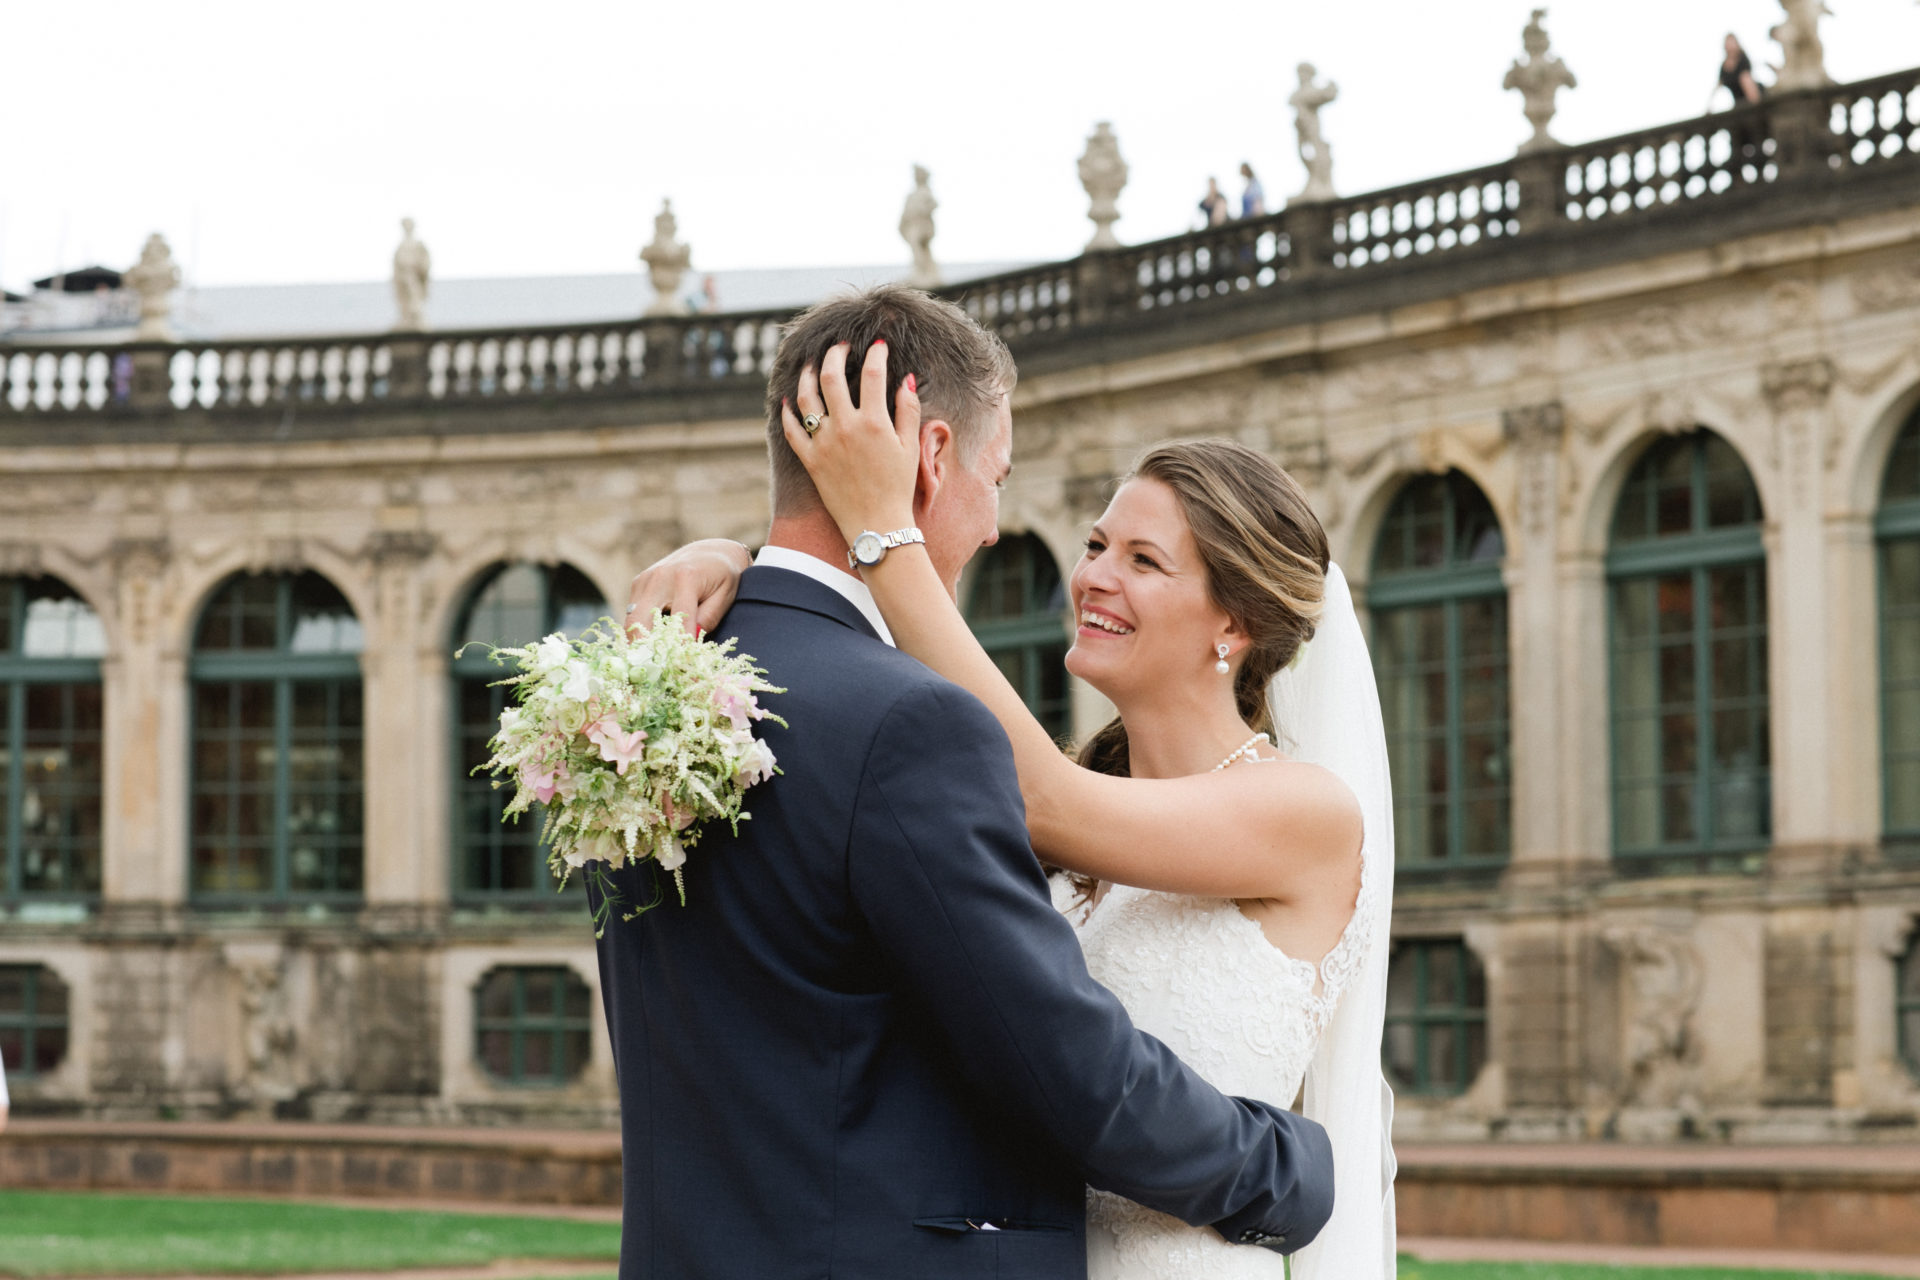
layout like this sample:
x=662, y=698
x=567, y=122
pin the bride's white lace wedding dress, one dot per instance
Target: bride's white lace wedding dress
x=1200, y=975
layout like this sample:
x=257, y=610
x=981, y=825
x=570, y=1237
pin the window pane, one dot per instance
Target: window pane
x=321, y=618
x=59, y=624
x=1903, y=468
x=509, y=610
x=576, y=603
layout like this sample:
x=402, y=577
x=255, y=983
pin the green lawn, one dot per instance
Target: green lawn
x=60, y=1233
x=1414, y=1269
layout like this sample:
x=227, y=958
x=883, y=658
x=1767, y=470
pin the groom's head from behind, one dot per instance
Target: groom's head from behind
x=964, y=376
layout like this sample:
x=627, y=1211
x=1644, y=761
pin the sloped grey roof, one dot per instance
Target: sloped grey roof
x=308, y=310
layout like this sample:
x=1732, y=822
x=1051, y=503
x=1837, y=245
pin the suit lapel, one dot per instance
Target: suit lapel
x=764, y=584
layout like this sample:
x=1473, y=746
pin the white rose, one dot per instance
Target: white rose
x=571, y=717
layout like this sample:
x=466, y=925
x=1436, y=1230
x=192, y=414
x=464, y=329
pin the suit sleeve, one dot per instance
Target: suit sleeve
x=942, y=869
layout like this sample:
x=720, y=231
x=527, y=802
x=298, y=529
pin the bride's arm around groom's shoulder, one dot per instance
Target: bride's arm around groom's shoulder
x=941, y=867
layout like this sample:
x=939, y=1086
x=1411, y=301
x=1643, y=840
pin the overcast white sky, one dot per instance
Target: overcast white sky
x=282, y=142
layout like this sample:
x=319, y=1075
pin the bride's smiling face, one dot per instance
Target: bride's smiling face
x=1141, y=603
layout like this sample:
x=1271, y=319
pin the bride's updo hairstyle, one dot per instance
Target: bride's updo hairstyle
x=1266, y=558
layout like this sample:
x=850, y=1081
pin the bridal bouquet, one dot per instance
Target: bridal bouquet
x=631, y=745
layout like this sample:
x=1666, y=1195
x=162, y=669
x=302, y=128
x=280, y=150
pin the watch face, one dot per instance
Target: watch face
x=867, y=548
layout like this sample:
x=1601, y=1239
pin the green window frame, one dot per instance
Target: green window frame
x=533, y=1025
x=1906, y=1004
x=1017, y=607
x=1897, y=530
x=1435, y=1042
x=51, y=713
x=276, y=732
x=1440, y=651
x=1688, y=698
x=499, y=863
x=33, y=1020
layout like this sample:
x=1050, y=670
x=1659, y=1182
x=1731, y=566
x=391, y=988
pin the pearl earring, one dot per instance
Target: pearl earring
x=1221, y=666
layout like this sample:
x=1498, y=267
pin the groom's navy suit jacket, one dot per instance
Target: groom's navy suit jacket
x=868, y=1034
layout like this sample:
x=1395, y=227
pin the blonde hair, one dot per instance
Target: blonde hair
x=1266, y=559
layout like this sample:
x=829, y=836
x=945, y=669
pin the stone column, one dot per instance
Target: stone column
x=406, y=861
x=1583, y=742
x=1534, y=629
x=1800, y=604
x=143, y=837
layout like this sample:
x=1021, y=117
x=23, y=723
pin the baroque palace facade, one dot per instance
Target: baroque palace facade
x=1619, y=445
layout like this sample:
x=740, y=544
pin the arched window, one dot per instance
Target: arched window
x=50, y=649
x=1436, y=1028
x=1440, y=653
x=33, y=1020
x=533, y=1026
x=1692, y=786
x=513, y=604
x=276, y=765
x=1906, y=1003
x=1017, y=608
x=1898, y=525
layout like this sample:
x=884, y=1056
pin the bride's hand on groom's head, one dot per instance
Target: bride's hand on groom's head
x=696, y=584
x=864, y=462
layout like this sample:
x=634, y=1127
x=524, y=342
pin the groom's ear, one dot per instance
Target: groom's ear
x=938, y=457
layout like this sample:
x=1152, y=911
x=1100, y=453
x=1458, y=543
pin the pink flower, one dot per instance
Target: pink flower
x=679, y=818
x=737, y=705
x=618, y=748
x=544, y=785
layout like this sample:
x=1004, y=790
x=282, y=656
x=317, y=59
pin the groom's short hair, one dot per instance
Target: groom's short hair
x=960, y=370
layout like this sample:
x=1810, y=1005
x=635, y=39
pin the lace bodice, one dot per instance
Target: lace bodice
x=1201, y=976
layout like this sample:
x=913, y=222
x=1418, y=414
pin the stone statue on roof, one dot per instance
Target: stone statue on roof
x=412, y=267
x=1803, y=56
x=154, y=278
x=1315, y=153
x=1103, y=174
x=916, y=228
x=667, y=261
x=1539, y=78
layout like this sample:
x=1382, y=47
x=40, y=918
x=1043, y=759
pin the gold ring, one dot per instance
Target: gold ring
x=813, y=421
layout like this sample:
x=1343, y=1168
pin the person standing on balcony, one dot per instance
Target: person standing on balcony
x=1736, y=73
x=1214, y=207
x=1253, y=200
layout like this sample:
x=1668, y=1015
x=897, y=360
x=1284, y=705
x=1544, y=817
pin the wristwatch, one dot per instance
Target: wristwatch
x=870, y=547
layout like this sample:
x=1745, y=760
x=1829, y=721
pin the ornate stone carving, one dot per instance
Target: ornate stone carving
x=667, y=261
x=277, y=555
x=916, y=228
x=1086, y=496
x=1103, y=174
x=412, y=266
x=1797, y=392
x=1662, y=992
x=1803, y=56
x=1536, y=431
x=1886, y=287
x=154, y=278
x=398, y=548
x=1315, y=152
x=268, y=1036
x=1539, y=79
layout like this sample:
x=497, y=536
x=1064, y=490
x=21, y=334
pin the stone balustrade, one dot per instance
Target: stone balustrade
x=1814, y=145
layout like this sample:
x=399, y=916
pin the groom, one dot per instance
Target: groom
x=867, y=1047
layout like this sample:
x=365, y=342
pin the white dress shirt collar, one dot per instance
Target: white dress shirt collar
x=820, y=571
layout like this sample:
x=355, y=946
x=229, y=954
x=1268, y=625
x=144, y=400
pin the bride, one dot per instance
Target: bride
x=1232, y=824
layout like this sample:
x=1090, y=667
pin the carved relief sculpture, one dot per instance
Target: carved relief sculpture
x=411, y=267
x=1103, y=174
x=1663, y=991
x=667, y=261
x=267, y=1033
x=1803, y=56
x=1539, y=78
x=1315, y=153
x=154, y=278
x=916, y=228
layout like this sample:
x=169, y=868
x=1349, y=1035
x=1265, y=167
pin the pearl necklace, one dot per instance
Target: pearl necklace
x=1244, y=749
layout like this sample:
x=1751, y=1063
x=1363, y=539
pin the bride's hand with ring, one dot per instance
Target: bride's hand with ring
x=864, y=463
